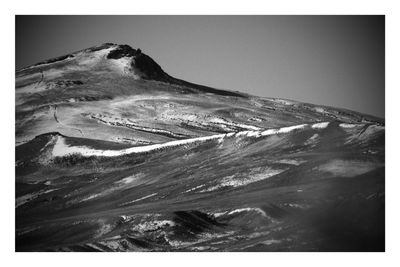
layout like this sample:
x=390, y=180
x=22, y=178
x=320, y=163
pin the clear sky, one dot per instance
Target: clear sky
x=329, y=60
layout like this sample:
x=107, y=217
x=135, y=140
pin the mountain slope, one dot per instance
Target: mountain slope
x=87, y=92
x=114, y=154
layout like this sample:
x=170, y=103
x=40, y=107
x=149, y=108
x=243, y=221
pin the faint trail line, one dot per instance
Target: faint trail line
x=62, y=124
x=41, y=79
x=39, y=82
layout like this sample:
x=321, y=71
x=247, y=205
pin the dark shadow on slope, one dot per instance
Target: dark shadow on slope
x=191, y=223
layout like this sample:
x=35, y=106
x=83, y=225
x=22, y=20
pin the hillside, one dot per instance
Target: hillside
x=114, y=154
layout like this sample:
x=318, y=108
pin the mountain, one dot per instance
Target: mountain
x=114, y=154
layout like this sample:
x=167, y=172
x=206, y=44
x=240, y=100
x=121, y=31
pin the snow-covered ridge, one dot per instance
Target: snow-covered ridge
x=61, y=149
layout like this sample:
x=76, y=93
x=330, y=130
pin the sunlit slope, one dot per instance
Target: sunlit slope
x=91, y=95
x=114, y=154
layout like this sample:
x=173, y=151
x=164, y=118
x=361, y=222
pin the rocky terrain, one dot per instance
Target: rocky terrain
x=114, y=154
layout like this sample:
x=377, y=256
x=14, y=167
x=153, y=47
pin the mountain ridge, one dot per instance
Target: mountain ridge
x=114, y=154
x=157, y=73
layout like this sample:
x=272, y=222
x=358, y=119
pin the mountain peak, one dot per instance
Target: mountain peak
x=139, y=63
x=133, y=60
x=106, y=61
x=123, y=51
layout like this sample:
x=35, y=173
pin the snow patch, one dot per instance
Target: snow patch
x=194, y=188
x=312, y=139
x=298, y=206
x=256, y=175
x=283, y=101
x=91, y=197
x=124, y=66
x=103, y=229
x=283, y=130
x=321, y=125
x=290, y=161
x=258, y=210
x=251, y=178
x=129, y=179
x=319, y=109
x=152, y=225
x=255, y=119
x=348, y=168
x=239, y=125
x=240, y=210
x=62, y=149
x=253, y=134
x=139, y=199
x=348, y=125
x=270, y=242
x=93, y=58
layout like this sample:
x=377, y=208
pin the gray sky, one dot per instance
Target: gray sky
x=329, y=60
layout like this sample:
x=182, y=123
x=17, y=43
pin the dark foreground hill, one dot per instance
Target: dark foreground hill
x=114, y=154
